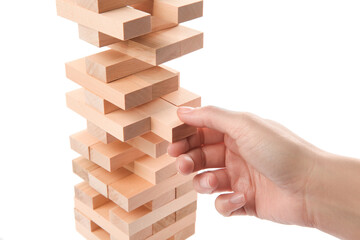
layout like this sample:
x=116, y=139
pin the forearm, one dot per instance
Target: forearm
x=333, y=196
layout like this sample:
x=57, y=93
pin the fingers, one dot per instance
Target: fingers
x=208, y=117
x=230, y=204
x=211, y=182
x=204, y=136
x=212, y=156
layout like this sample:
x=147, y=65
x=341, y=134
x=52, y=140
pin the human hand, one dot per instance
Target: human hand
x=264, y=165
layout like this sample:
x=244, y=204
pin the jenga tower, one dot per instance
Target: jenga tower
x=130, y=188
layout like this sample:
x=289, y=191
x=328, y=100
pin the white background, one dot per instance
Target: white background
x=296, y=62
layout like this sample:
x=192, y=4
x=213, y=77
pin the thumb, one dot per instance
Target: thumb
x=209, y=117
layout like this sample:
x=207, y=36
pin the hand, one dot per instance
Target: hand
x=264, y=165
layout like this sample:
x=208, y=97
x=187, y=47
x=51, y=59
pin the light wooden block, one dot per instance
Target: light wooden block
x=164, y=223
x=127, y=92
x=161, y=201
x=100, y=179
x=178, y=11
x=98, y=234
x=111, y=65
x=99, y=103
x=114, y=155
x=154, y=170
x=123, y=23
x=183, y=97
x=82, y=167
x=162, y=46
x=185, y=233
x=133, y=191
x=94, y=37
x=101, y=6
x=89, y=196
x=100, y=134
x=180, y=214
x=81, y=142
x=123, y=125
x=101, y=217
x=145, y=6
x=151, y=144
x=184, y=188
x=84, y=221
x=140, y=218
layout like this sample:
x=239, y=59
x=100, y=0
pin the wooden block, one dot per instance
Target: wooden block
x=178, y=11
x=89, y=196
x=183, y=97
x=81, y=142
x=114, y=155
x=133, y=191
x=84, y=221
x=151, y=144
x=111, y=65
x=185, y=188
x=98, y=234
x=159, y=47
x=123, y=23
x=99, y=103
x=164, y=223
x=100, y=179
x=145, y=6
x=101, y=217
x=185, y=233
x=94, y=37
x=100, y=134
x=82, y=167
x=154, y=170
x=176, y=227
x=180, y=214
x=127, y=92
x=123, y=125
x=142, y=217
x=161, y=201
x=101, y=6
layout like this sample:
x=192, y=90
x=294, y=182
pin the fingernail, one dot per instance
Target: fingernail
x=185, y=110
x=237, y=199
x=181, y=166
x=204, y=183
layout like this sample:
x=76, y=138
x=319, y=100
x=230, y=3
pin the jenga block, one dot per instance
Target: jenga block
x=133, y=191
x=100, y=134
x=151, y=144
x=82, y=167
x=174, y=228
x=123, y=125
x=178, y=11
x=159, y=47
x=161, y=201
x=101, y=217
x=81, y=142
x=127, y=92
x=100, y=179
x=183, y=97
x=123, y=23
x=164, y=223
x=180, y=214
x=155, y=170
x=111, y=65
x=84, y=221
x=89, y=196
x=184, y=188
x=185, y=233
x=95, y=38
x=142, y=217
x=114, y=155
x=145, y=6
x=98, y=234
x=101, y=6
x=99, y=103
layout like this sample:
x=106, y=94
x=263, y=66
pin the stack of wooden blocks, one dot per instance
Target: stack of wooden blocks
x=131, y=190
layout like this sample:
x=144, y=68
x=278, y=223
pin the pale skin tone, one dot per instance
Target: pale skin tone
x=262, y=169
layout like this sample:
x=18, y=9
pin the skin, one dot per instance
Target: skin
x=262, y=169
